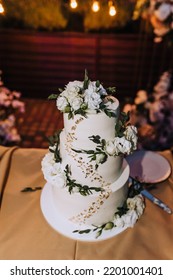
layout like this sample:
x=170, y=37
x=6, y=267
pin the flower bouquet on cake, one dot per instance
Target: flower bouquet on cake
x=152, y=113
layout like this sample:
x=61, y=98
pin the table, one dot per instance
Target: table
x=25, y=234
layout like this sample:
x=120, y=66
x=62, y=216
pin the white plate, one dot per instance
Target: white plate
x=65, y=227
x=148, y=167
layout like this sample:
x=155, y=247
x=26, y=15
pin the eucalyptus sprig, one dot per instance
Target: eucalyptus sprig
x=98, y=152
x=29, y=189
x=82, y=189
x=121, y=124
x=54, y=96
x=135, y=188
x=86, y=80
x=108, y=112
x=54, y=142
x=99, y=229
x=111, y=90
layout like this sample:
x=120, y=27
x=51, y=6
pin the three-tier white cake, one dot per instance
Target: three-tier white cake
x=85, y=165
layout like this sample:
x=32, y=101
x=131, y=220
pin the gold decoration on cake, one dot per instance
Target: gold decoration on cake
x=88, y=169
x=93, y=208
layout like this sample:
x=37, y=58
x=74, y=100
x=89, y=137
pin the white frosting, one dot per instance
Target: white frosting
x=97, y=208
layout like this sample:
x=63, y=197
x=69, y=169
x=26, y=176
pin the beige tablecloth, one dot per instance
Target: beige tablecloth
x=25, y=234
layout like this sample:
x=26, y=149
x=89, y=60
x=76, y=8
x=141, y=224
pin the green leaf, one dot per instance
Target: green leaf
x=84, y=231
x=97, y=83
x=99, y=233
x=95, y=138
x=70, y=115
x=60, y=90
x=29, y=189
x=104, y=158
x=67, y=109
x=111, y=90
x=109, y=113
x=53, y=96
x=86, y=80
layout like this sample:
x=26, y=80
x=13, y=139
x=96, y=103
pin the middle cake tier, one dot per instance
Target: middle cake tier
x=85, y=170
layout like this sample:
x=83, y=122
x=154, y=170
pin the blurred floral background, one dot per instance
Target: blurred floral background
x=152, y=113
x=10, y=105
x=140, y=61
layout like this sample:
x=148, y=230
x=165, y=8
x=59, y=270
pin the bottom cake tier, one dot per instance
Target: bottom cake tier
x=96, y=208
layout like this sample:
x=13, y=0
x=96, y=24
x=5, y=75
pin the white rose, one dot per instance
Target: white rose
x=52, y=171
x=76, y=103
x=69, y=95
x=119, y=222
x=99, y=158
x=131, y=203
x=131, y=135
x=58, y=180
x=111, y=103
x=47, y=160
x=46, y=165
x=99, y=89
x=74, y=86
x=92, y=99
x=136, y=203
x=92, y=96
x=122, y=145
x=110, y=148
x=163, y=11
x=139, y=204
x=56, y=168
x=72, y=90
x=61, y=103
x=130, y=218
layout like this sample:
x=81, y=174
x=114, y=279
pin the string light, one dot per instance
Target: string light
x=96, y=6
x=112, y=10
x=1, y=8
x=73, y=4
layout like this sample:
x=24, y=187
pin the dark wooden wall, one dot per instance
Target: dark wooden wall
x=38, y=63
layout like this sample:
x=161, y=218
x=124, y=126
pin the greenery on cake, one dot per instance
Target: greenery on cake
x=124, y=143
x=98, y=155
x=56, y=175
x=54, y=142
x=126, y=215
x=82, y=97
x=74, y=186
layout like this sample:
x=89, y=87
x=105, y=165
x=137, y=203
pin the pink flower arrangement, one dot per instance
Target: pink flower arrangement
x=159, y=13
x=152, y=114
x=9, y=106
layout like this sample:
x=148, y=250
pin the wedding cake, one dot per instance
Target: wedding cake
x=85, y=166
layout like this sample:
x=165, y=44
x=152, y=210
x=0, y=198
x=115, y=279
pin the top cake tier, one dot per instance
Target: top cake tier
x=81, y=128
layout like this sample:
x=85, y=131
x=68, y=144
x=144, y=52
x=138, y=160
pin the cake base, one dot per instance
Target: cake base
x=67, y=228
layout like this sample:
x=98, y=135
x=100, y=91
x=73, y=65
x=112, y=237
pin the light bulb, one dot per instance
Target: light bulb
x=96, y=6
x=73, y=4
x=1, y=9
x=112, y=11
